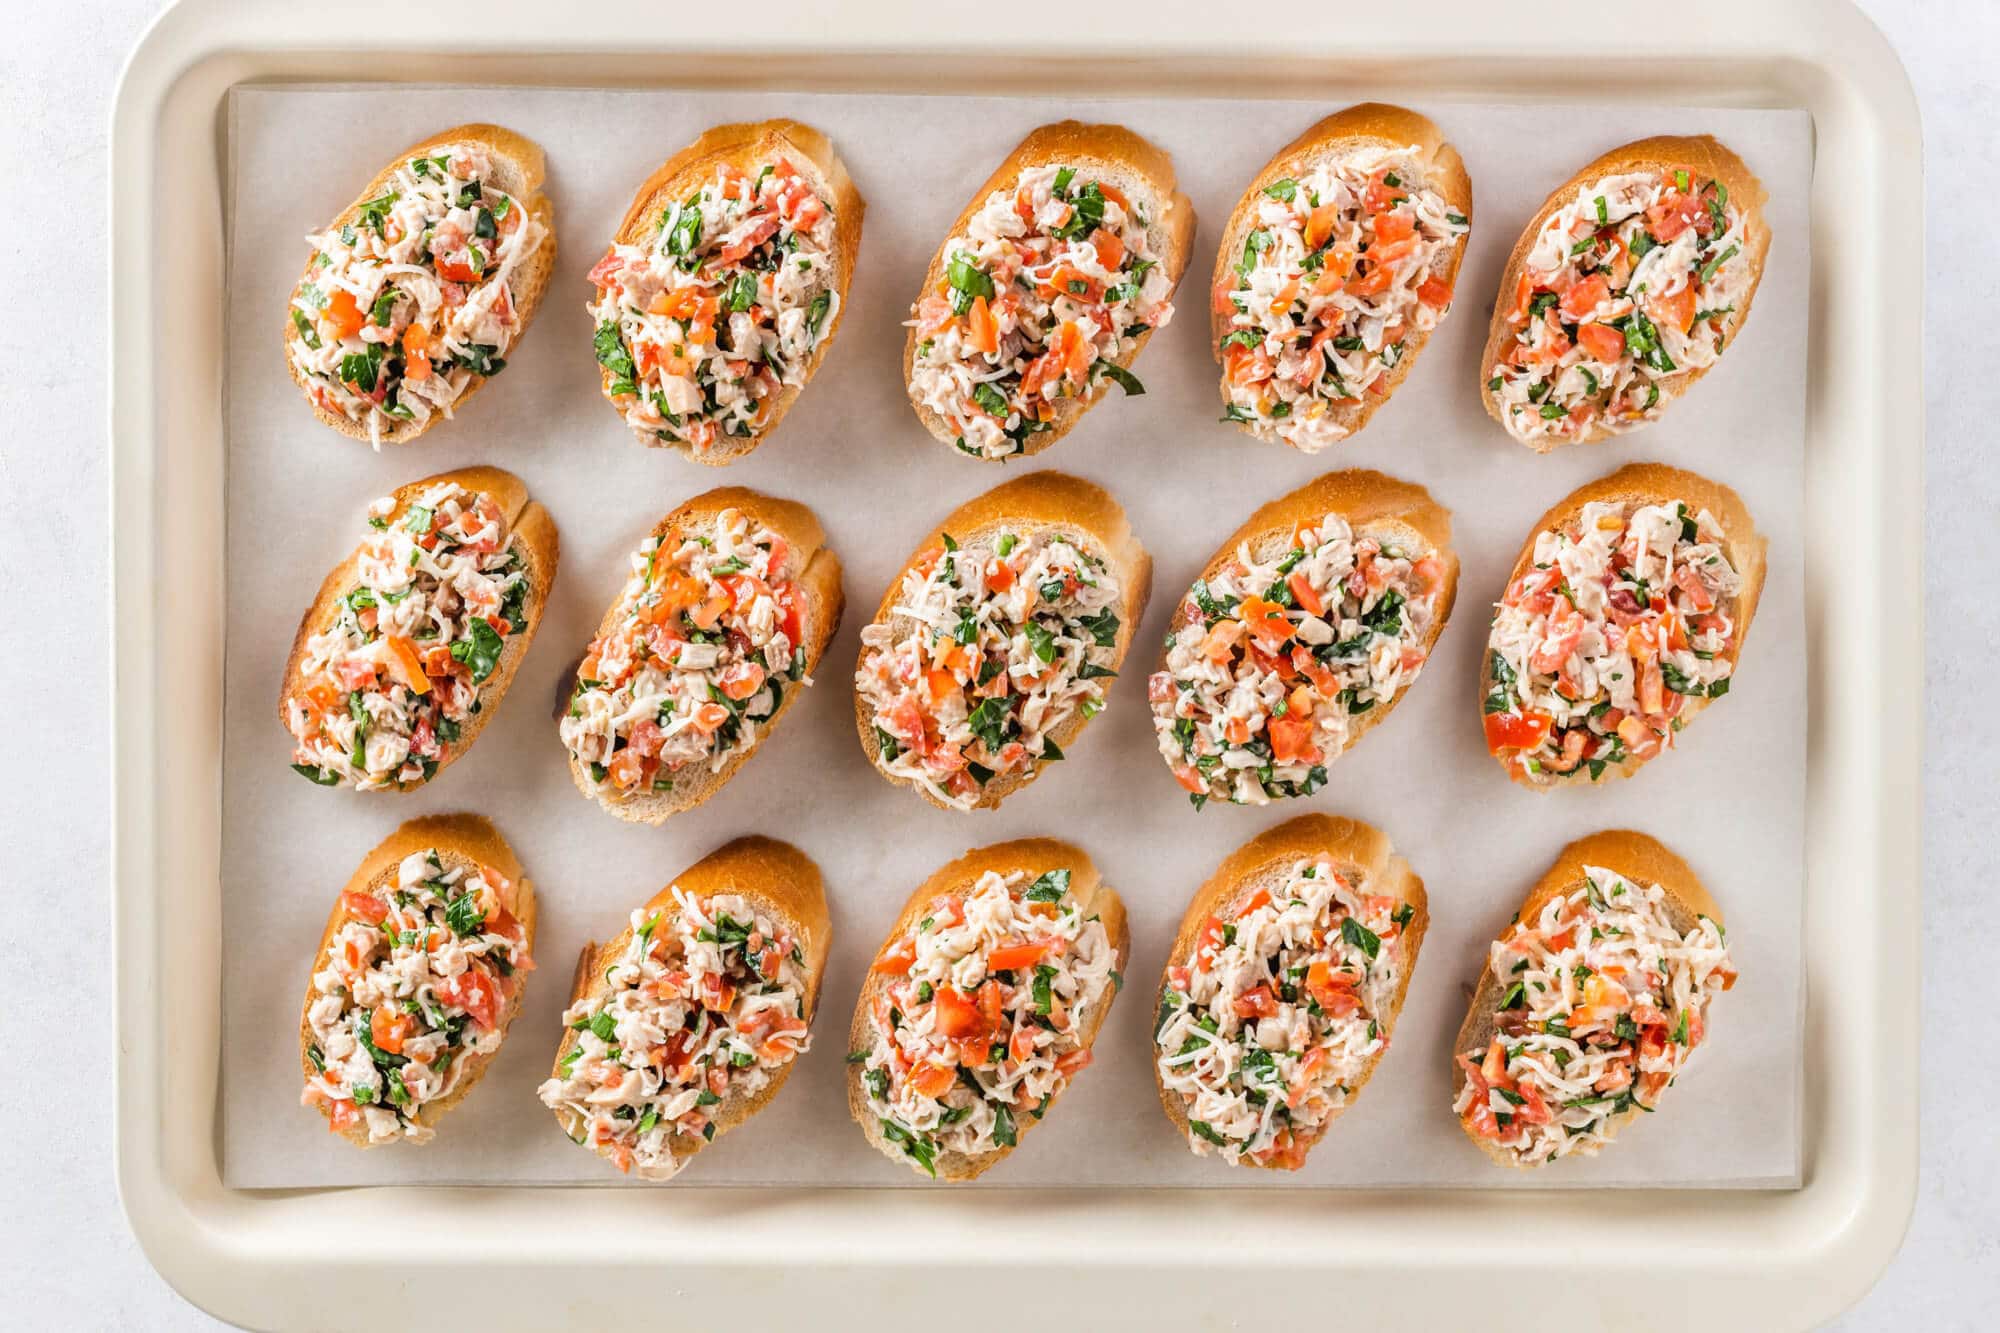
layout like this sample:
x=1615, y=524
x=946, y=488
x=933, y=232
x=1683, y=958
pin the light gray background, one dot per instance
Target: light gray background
x=878, y=482
x=69, y=1260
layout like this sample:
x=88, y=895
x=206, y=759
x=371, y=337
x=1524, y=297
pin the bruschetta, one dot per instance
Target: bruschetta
x=403, y=657
x=1592, y=1000
x=1046, y=289
x=1283, y=987
x=690, y=1020
x=1623, y=291
x=982, y=1005
x=1624, y=617
x=731, y=601
x=992, y=648
x=724, y=287
x=417, y=977
x=417, y=292
x=1334, y=269
x=1301, y=634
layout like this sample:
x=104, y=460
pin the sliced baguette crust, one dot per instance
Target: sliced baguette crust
x=533, y=533
x=463, y=841
x=748, y=147
x=1365, y=127
x=522, y=169
x=1034, y=856
x=816, y=570
x=1638, y=857
x=1652, y=483
x=1371, y=502
x=779, y=880
x=1263, y=863
x=1703, y=155
x=1030, y=505
x=1109, y=152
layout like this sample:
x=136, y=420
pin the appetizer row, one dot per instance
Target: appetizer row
x=725, y=284
x=1624, y=616
x=1279, y=998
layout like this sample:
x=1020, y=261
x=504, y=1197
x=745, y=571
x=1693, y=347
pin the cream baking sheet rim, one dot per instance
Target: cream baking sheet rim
x=234, y=1250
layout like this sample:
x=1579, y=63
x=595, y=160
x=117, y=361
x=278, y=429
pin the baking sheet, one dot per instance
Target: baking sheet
x=1731, y=801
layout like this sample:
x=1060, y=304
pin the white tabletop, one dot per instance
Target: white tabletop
x=68, y=1258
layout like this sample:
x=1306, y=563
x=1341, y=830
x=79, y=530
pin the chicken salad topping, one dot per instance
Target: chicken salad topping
x=1604, y=1002
x=984, y=1022
x=386, y=688
x=1273, y=662
x=1268, y=1025
x=420, y=976
x=1341, y=265
x=408, y=306
x=990, y=648
x=1637, y=281
x=1627, y=613
x=705, y=639
x=718, y=313
x=1042, y=298
x=704, y=1005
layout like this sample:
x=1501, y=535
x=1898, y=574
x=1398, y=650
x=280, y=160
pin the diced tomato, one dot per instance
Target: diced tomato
x=747, y=237
x=1213, y=932
x=1266, y=621
x=1073, y=283
x=1380, y=196
x=1291, y=740
x=364, y=907
x=1110, y=250
x=458, y=268
x=740, y=680
x=342, y=1113
x=1434, y=292
x=1319, y=225
x=957, y=1016
x=1585, y=296
x=627, y=769
x=897, y=959
x=1678, y=309
x=1372, y=283
x=1334, y=992
x=475, y=992
x=982, y=331
x=1257, y=1002
x=343, y=314
x=388, y=1028
x=1304, y=593
x=933, y=1080
x=1261, y=898
x=1068, y=1065
x=1516, y=731
x=601, y=272
x=1012, y=957
x=1601, y=342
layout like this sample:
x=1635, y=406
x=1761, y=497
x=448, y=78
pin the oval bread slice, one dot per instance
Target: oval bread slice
x=1374, y=504
x=522, y=170
x=1367, y=860
x=1704, y=155
x=1638, y=857
x=462, y=841
x=1035, y=857
x=1111, y=153
x=750, y=147
x=1650, y=483
x=1036, y=503
x=778, y=879
x=815, y=569
x=1367, y=128
x=533, y=535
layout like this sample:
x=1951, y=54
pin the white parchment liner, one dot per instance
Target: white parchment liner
x=1731, y=801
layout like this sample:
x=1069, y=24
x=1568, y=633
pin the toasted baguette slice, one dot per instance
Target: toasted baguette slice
x=533, y=536
x=1365, y=859
x=812, y=566
x=1425, y=161
x=463, y=842
x=750, y=148
x=1650, y=483
x=1643, y=860
x=1110, y=153
x=1703, y=156
x=779, y=880
x=521, y=172
x=1394, y=512
x=1034, y=857
x=1026, y=506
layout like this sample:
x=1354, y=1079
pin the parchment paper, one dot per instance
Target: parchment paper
x=1731, y=801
